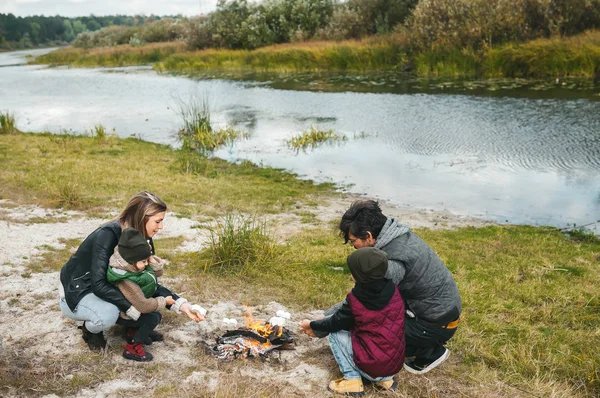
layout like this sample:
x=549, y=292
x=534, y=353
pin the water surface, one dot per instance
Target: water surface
x=507, y=156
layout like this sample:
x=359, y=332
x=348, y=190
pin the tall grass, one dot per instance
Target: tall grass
x=99, y=133
x=7, y=123
x=576, y=56
x=123, y=55
x=197, y=133
x=316, y=56
x=238, y=241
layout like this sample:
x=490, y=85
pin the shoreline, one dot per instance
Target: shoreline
x=569, y=57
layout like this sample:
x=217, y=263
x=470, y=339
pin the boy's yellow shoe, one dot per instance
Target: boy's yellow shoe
x=388, y=385
x=352, y=388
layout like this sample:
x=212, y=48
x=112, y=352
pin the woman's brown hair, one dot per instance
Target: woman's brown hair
x=139, y=209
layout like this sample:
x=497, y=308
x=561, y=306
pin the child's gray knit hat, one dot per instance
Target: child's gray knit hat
x=368, y=264
x=132, y=246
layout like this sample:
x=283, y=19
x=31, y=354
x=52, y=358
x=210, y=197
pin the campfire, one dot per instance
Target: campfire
x=256, y=339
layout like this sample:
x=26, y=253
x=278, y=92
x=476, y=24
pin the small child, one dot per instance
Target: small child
x=134, y=270
x=367, y=331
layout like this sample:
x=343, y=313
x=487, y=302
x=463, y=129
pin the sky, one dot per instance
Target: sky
x=78, y=8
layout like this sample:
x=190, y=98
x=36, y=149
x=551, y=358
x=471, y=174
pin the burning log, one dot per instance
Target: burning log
x=254, y=341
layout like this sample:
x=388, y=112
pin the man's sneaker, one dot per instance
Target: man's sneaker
x=136, y=352
x=351, y=388
x=419, y=367
x=387, y=385
x=95, y=341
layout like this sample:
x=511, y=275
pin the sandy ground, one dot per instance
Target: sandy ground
x=32, y=324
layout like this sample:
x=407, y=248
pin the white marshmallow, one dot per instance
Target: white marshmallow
x=198, y=309
x=277, y=321
x=283, y=314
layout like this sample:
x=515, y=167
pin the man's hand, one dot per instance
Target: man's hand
x=186, y=308
x=305, y=328
x=170, y=300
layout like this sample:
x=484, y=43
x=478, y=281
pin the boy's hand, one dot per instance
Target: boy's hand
x=186, y=308
x=305, y=328
x=170, y=300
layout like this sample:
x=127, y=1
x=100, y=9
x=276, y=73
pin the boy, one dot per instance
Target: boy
x=366, y=333
x=134, y=270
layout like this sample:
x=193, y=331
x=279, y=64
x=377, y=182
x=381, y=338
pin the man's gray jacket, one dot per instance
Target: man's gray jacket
x=425, y=283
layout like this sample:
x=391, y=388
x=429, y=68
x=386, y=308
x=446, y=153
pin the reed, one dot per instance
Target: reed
x=7, y=123
x=197, y=133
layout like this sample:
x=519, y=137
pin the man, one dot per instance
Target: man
x=433, y=304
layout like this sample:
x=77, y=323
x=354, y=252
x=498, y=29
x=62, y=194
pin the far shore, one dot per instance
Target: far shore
x=562, y=58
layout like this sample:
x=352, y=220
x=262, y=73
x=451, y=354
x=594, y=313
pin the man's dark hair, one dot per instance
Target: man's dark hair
x=363, y=216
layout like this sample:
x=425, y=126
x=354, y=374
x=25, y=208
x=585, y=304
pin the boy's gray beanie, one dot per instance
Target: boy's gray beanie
x=368, y=264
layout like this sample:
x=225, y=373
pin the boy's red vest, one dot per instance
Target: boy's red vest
x=378, y=336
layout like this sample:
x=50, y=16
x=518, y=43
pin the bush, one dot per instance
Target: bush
x=162, y=30
x=483, y=24
x=197, y=34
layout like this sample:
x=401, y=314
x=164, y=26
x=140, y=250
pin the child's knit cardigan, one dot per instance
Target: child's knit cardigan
x=134, y=294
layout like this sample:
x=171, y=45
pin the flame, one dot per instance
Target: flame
x=262, y=328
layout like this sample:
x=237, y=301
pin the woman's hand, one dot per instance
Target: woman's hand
x=305, y=328
x=170, y=300
x=186, y=308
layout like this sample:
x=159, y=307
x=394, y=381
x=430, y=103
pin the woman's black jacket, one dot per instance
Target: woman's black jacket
x=85, y=272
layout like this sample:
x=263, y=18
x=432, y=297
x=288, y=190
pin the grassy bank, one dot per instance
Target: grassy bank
x=576, y=56
x=85, y=173
x=530, y=320
x=124, y=55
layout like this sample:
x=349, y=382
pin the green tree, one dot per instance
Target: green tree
x=35, y=28
x=69, y=33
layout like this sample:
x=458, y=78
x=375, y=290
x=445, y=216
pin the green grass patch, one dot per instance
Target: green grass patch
x=530, y=302
x=74, y=172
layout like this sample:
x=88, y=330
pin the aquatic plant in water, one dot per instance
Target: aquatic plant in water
x=198, y=134
x=313, y=137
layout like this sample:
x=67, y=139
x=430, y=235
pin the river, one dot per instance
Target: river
x=507, y=157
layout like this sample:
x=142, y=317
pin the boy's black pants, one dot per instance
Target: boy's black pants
x=144, y=325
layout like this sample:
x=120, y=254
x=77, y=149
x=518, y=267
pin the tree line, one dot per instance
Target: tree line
x=27, y=32
x=420, y=25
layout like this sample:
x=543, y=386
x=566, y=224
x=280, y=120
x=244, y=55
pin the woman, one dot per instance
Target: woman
x=86, y=295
